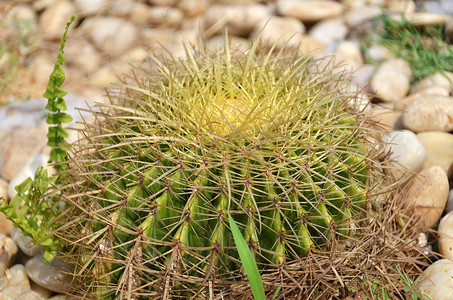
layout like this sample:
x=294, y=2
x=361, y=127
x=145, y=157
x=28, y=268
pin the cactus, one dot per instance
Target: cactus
x=272, y=140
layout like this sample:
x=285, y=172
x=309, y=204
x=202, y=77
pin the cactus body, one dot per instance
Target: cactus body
x=270, y=140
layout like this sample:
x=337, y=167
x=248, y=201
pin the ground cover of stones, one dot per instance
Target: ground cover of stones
x=111, y=35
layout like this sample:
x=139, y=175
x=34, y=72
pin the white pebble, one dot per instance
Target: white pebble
x=392, y=80
x=427, y=195
x=406, y=151
x=309, y=10
x=18, y=276
x=437, y=280
x=329, y=31
x=46, y=275
x=430, y=113
x=25, y=243
x=445, y=231
x=280, y=32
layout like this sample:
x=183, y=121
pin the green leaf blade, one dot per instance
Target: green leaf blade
x=248, y=261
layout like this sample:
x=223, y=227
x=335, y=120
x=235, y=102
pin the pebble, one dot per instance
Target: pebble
x=439, y=150
x=379, y=53
x=17, y=148
x=20, y=292
x=309, y=10
x=329, y=31
x=22, y=13
x=350, y=50
x=430, y=113
x=436, y=281
x=193, y=7
x=25, y=243
x=90, y=7
x=119, y=8
x=435, y=80
x=46, y=274
x=18, y=276
x=392, y=80
x=386, y=116
x=54, y=18
x=310, y=46
x=279, y=32
x=401, y=104
x=3, y=189
x=112, y=35
x=82, y=54
x=425, y=19
x=239, y=19
x=406, y=151
x=165, y=16
x=401, y=6
x=427, y=195
x=445, y=232
x=361, y=14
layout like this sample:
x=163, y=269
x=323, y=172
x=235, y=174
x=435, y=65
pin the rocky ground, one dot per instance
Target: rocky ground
x=109, y=36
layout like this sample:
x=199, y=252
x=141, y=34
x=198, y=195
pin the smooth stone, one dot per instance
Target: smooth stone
x=17, y=148
x=427, y=195
x=437, y=80
x=380, y=53
x=329, y=31
x=112, y=35
x=445, y=232
x=401, y=104
x=361, y=14
x=3, y=189
x=362, y=77
x=4, y=296
x=5, y=224
x=239, y=19
x=15, y=291
x=392, y=80
x=46, y=275
x=165, y=16
x=281, y=32
x=140, y=11
x=430, y=113
x=25, y=243
x=30, y=295
x=405, y=151
x=406, y=7
x=350, y=50
x=439, y=150
x=41, y=290
x=309, y=45
x=54, y=18
x=18, y=276
x=40, y=5
x=193, y=7
x=23, y=13
x=90, y=7
x=436, y=281
x=82, y=54
x=384, y=114
x=8, y=251
x=59, y=297
x=424, y=19
x=120, y=8
x=309, y=10
x=40, y=68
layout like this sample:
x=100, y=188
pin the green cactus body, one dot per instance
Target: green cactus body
x=269, y=139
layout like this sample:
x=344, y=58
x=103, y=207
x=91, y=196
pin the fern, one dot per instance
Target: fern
x=36, y=205
x=55, y=105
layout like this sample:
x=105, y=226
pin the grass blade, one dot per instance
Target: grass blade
x=248, y=261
